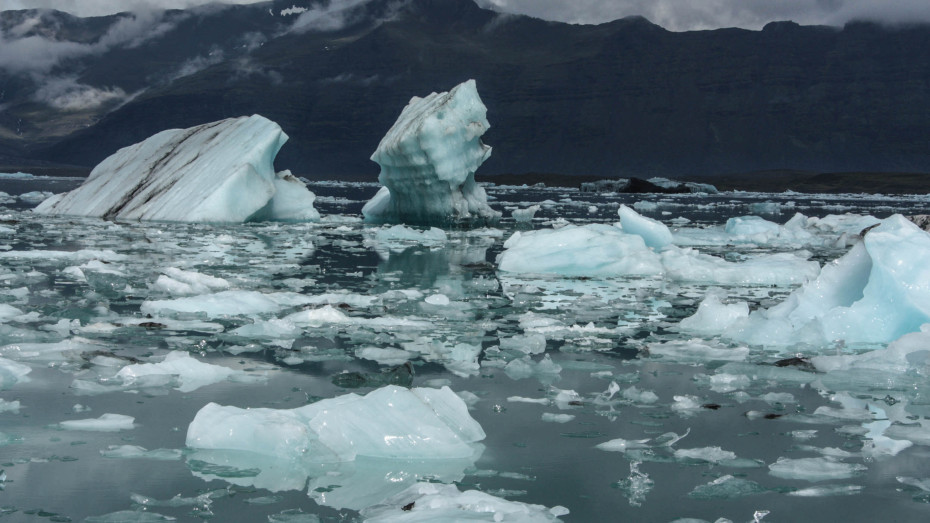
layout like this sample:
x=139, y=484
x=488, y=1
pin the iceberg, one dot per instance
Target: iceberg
x=428, y=161
x=216, y=172
x=875, y=293
x=391, y=423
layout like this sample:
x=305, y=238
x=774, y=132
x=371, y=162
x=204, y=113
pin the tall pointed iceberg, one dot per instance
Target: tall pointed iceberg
x=428, y=161
x=216, y=172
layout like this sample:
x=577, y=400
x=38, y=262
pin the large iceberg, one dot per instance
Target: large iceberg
x=216, y=172
x=428, y=161
x=391, y=422
x=875, y=293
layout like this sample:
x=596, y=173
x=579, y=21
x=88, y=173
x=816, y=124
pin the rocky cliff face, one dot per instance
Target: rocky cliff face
x=626, y=98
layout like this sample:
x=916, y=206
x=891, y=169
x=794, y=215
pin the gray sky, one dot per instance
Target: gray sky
x=677, y=15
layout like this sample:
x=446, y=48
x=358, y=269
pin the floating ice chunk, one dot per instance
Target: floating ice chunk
x=273, y=329
x=557, y=418
x=12, y=372
x=8, y=406
x=623, y=445
x=528, y=344
x=328, y=315
x=390, y=422
x=227, y=303
x=713, y=316
x=781, y=268
x=292, y=201
x=827, y=490
x=192, y=373
x=136, y=452
x=877, y=292
x=47, y=351
x=653, y=232
x=9, y=313
x=708, y=454
x=105, y=423
x=907, y=353
x=636, y=486
x=178, y=282
x=639, y=396
x=751, y=226
x=696, y=351
x=437, y=502
x=401, y=234
x=130, y=516
x=437, y=299
x=428, y=161
x=217, y=172
x=814, y=469
x=591, y=250
x=525, y=215
x=922, y=484
x=726, y=487
x=724, y=382
x=385, y=356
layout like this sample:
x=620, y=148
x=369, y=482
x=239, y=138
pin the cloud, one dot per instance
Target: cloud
x=67, y=94
x=683, y=15
x=23, y=50
x=108, y=7
x=331, y=16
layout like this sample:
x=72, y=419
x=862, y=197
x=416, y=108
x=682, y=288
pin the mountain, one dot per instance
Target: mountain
x=625, y=98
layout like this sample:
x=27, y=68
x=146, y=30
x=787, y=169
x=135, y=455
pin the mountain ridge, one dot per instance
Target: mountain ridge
x=624, y=98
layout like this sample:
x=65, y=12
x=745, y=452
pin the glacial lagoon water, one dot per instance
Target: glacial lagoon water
x=758, y=441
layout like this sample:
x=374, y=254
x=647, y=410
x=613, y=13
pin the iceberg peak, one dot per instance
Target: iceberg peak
x=428, y=160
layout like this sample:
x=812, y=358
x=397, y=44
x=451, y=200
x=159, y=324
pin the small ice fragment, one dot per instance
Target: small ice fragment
x=814, y=469
x=525, y=215
x=438, y=299
x=438, y=502
x=708, y=454
x=129, y=516
x=827, y=490
x=622, y=445
x=557, y=418
x=105, y=423
x=635, y=395
x=136, y=452
x=726, y=487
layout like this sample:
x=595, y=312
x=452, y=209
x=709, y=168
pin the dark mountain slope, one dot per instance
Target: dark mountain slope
x=624, y=98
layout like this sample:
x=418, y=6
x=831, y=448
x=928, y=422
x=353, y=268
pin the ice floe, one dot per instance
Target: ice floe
x=390, y=422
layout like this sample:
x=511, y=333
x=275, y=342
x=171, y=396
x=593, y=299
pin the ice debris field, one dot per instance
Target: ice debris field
x=258, y=347
x=648, y=357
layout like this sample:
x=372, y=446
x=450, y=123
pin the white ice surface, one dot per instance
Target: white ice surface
x=191, y=372
x=877, y=292
x=105, y=423
x=390, y=422
x=216, y=172
x=428, y=161
x=654, y=233
x=437, y=502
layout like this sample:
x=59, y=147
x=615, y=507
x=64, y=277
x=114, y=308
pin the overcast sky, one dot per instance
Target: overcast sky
x=677, y=15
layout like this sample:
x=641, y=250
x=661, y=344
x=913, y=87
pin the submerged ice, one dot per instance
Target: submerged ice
x=217, y=172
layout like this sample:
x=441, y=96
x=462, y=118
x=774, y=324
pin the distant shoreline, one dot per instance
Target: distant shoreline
x=757, y=181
